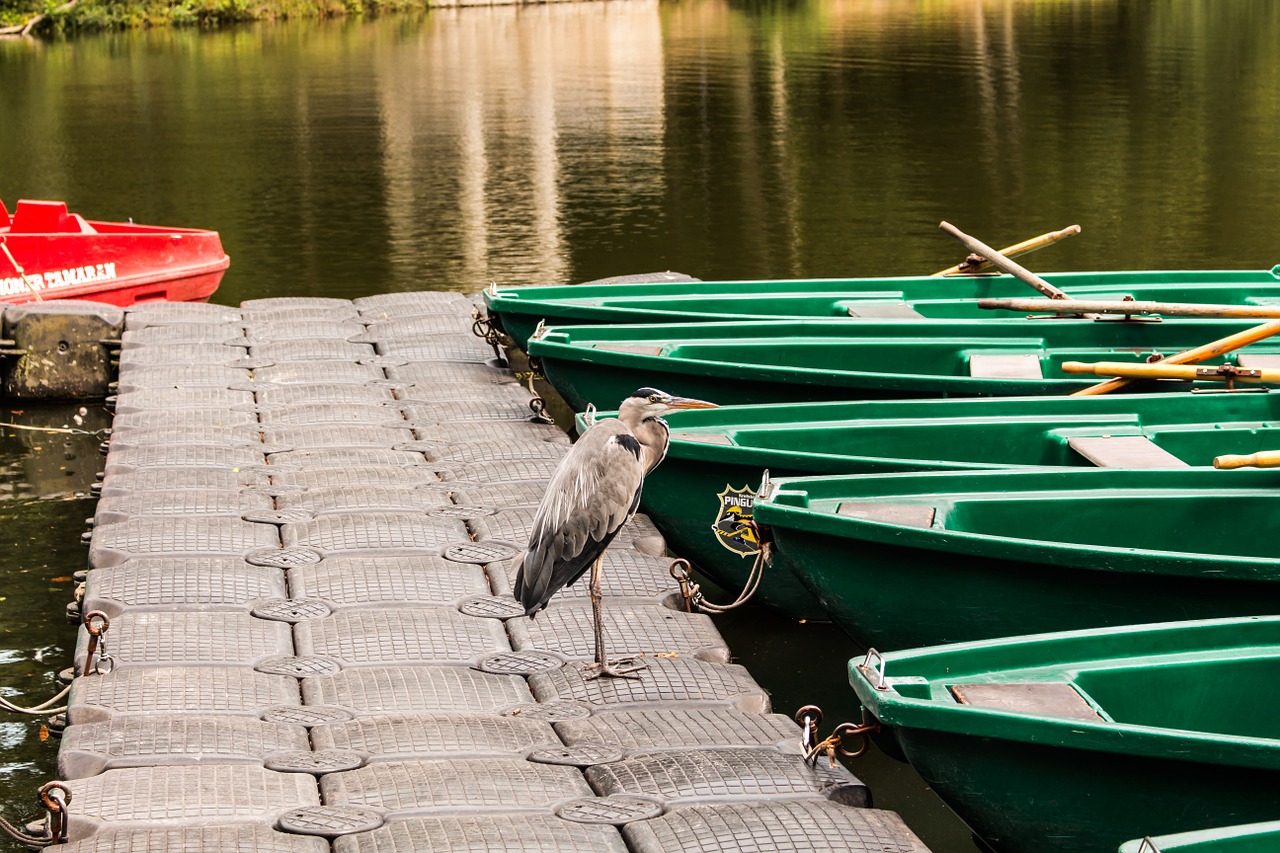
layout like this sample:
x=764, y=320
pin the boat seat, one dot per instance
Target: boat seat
x=47, y=217
x=1258, y=360
x=1045, y=699
x=1123, y=451
x=907, y=515
x=702, y=437
x=884, y=311
x=38, y=217
x=635, y=349
x=74, y=223
x=1002, y=366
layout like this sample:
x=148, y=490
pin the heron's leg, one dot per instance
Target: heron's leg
x=626, y=668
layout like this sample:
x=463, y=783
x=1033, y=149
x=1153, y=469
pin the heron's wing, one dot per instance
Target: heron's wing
x=590, y=496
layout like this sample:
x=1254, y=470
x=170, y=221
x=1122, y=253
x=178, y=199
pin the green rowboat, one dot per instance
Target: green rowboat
x=787, y=362
x=1080, y=741
x=902, y=560
x=1250, y=838
x=701, y=498
x=518, y=310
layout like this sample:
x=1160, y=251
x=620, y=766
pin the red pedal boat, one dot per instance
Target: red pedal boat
x=48, y=253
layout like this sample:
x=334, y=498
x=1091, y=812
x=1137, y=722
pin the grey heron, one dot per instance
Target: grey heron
x=594, y=491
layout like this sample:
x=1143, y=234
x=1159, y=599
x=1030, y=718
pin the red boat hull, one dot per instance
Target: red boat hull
x=60, y=255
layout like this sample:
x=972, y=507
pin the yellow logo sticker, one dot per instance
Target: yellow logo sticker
x=733, y=528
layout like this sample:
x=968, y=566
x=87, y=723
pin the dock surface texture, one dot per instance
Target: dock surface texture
x=304, y=549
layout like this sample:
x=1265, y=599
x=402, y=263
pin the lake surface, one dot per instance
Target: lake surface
x=566, y=142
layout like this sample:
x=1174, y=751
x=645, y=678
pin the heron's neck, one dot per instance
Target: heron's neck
x=658, y=438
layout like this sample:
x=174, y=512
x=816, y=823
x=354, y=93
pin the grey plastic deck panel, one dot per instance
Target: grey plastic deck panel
x=227, y=838
x=309, y=525
x=483, y=833
x=181, y=583
x=801, y=826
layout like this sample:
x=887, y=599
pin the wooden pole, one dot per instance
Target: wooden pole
x=1118, y=306
x=1000, y=262
x=1160, y=370
x=971, y=266
x=1261, y=459
x=1193, y=356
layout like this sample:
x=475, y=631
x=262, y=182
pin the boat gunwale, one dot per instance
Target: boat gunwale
x=579, y=344
x=1203, y=839
x=553, y=350
x=749, y=287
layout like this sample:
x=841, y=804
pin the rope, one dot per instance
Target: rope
x=37, y=710
x=748, y=589
x=693, y=593
x=63, y=430
x=25, y=838
x=3, y=245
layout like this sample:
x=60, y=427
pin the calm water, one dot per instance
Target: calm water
x=568, y=142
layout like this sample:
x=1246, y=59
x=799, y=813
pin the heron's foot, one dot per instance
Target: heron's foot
x=620, y=668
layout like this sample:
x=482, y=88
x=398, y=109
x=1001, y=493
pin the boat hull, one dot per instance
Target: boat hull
x=1004, y=791
x=1080, y=741
x=837, y=360
x=60, y=255
x=874, y=592
x=908, y=582
x=519, y=310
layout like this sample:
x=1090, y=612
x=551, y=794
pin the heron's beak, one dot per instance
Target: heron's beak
x=690, y=403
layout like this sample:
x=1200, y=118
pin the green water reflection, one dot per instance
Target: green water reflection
x=564, y=142
x=44, y=483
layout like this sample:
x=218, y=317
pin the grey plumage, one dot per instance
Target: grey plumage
x=592, y=494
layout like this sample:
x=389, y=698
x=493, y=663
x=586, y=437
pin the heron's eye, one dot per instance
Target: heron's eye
x=653, y=398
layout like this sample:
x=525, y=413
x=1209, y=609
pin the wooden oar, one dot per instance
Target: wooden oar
x=972, y=265
x=1261, y=459
x=1121, y=306
x=1000, y=262
x=1161, y=370
x=1191, y=356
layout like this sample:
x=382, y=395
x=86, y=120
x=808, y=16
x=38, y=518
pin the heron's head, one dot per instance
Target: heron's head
x=652, y=403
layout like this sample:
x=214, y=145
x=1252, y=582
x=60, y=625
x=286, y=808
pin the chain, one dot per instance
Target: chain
x=691, y=592
x=808, y=717
x=97, y=643
x=483, y=327
x=536, y=403
x=539, y=408
x=55, y=796
x=833, y=744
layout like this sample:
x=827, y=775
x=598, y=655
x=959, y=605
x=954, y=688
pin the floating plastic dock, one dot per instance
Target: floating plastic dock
x=302, y=558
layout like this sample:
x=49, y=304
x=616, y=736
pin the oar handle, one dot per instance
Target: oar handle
x=1026, y=247
x=1196, y=355
x=1163, y=370
x=1261, y=459
x=1002, y=263
x=1117, y=306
